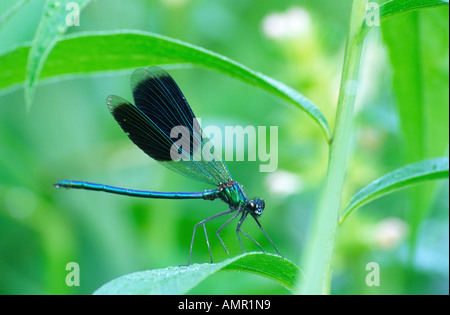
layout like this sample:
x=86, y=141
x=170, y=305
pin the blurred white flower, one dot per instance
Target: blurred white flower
x=283, y=183
x=390, y=232
x=293, y=23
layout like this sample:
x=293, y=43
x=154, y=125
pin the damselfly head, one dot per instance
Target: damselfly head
x=256, y=206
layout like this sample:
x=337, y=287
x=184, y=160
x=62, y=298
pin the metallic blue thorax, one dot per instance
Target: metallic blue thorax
x=233, y=195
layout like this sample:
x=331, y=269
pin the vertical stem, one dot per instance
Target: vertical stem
x=318, y=256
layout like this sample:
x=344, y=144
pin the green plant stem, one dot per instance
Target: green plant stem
x=318, y=256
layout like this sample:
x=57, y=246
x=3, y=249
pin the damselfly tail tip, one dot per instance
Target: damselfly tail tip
x=60, y=184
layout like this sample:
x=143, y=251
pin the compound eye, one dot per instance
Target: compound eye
x=252, y=204
x=263, y=204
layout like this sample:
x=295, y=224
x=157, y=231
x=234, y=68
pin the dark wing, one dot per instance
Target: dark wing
x=160, y=110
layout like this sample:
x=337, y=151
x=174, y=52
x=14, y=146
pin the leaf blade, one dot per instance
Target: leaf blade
x=392, y=8
x=179, y=280
x=401, y=178
x=417, y=43
x=87, y=53
x=51, y=27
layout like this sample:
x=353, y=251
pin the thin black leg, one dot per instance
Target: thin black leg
x=207, y=242
x=220, y=229
x=260, y=226
x=238, y=229
x=260, y=247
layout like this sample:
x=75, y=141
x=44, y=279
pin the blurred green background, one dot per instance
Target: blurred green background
x=69, y=134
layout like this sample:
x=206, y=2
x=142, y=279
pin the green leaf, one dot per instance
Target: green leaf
x=179, y=280
x=395, y=7
x=392, y=8
x=401, y=178
x=89, y=53
x=5, y=17
x=418, y=48
x=51, y=27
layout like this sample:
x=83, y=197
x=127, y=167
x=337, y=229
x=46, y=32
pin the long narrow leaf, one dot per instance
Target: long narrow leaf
x=394, y=7
x=420, y=84
x=52, y=26
x=179, y=280
x=90, y=53
x=401, y=178
x=5, y=17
